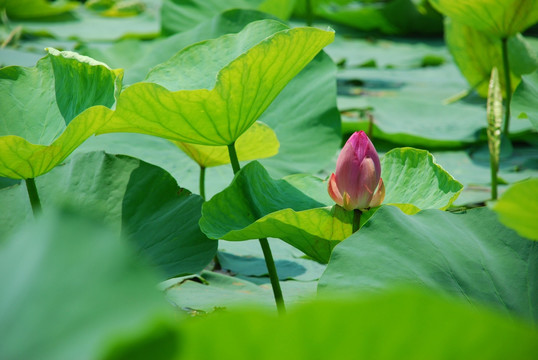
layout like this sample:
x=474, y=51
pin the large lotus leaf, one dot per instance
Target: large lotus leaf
x=28, y=9
x=84, y=24
x=524, y=102
x=244, y=88
x=258, y=142
x=400, y=324
x=390, y=17
x=517, y=208
x=183, y=15
x=71, y=289
x=297, y=208
x=497, y=18
x=414, y=181
x=476, y=54
x=141, y=200
x=50, y=109
x=468, y=254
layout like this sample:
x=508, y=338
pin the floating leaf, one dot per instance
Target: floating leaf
x=497, y=18
x=76, y=276
x=517, y=208
x=50, y=109
x=30, y=9
x=214, y=291
x=86, y=25
x=414, y=181
x=400, y=324
x=138, y=199
x=239, y=96
x=297, y=209
x=258, y=142
x=467, y=254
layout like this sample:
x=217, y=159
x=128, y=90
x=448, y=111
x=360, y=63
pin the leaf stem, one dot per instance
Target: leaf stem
x=202, y=182
x=508, y=86
x=233, y=158
x=267, y=254
x=33, y=195
x=271, y=268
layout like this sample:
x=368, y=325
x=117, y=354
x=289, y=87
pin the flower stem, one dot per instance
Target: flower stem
x=493, y=167
x=356, y=220
x=267, y=254
x=34, y=197
x=508, y=86
x=202, y=182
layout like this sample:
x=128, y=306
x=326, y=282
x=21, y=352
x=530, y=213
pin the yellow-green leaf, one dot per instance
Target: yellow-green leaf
x=244, y=87
x=258, y=142
x=476, y=54
x=500, y=18
x=48, y=110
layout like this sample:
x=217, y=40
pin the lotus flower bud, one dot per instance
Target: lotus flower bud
x=357, y=183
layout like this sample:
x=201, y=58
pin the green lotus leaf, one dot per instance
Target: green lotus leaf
x=82, y=280
x=524, y=99
x=497, y=18
x=414, y=181
x=30, y=9
x=244, y=77
x=399, y=324
x=50, y=109
x=297, y=208
x=517, y=208
x=476, y=54
x=468, y=254
x=258, y=142
x=183, y=15
x=140, y=200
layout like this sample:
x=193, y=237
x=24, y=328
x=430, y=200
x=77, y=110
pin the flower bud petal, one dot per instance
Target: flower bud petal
x=366, y=184
x=334, y=193
x=379, y=195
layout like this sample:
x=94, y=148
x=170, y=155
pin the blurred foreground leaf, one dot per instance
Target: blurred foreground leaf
x=405, y=324
x=73, y=290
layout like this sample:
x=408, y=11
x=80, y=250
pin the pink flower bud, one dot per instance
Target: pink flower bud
x=357, y=183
